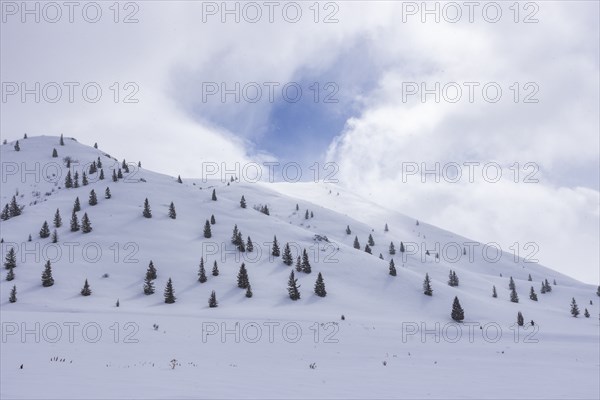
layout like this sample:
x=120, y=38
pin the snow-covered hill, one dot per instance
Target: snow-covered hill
x=393, y=342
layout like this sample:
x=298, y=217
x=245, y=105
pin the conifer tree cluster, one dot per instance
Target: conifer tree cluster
x=546, y=288
x=11, y=210
x=452, y=279
x=265, y=210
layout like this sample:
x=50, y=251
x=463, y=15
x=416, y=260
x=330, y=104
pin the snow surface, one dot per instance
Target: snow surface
x=380, y=349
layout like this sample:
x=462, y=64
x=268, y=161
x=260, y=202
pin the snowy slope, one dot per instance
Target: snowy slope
x=559, y=357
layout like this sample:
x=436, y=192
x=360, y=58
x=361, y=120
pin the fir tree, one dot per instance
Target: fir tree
x=29, y=238
x=548, y=287
x=457, y=311
x=99, y=163
x=494, y=294
x=57, y=219
x=119, y=174
x=62, y=141
x=117, y=304
x=235, y=235
x=86, y=225
x=243, y=202
x=107, y=194
x=511, y=284
x=101, y=176
x=306, y=216
x=45, y=231
x=275, y=252
x=348, y=231
x=148, y=285
x=151, y=272
x=95, y=145
x=10, y=275
x=47, y=279
x=371, y=241
x=54, y=153
x=532, y=294
x=287, y=255
x=586, y=313
x=201, y=271
x=86, y=291
x=242, y=277
x=84, y=179
x=74, y=222
x=386, y=229
x=356, y=243
x=179, y=179
x=312, y=215
x=520, y=319
x=54, y=237
x=5, y=215
x=367, y=249
x=574, y=308
x=13, y=295
x=17, y=147
x=513, y=295
x=169, y=293
x=427, y=286
x=207, y=231
x=380, y=256
x=68, y=180
x=240, y=243
x=299, y=264
x=172, y=213
x=249, y=245
x=529, y=278
x=543, y=289
x=293, y=287
x=212, y=220
x=320, y=286
x=76, y=180
x=215, y=269
x=25, y=136
x=392, y=250
x=598, y=291
x=554, y=282
x=93, y=168
x=114, y=176
x=392, y=268
x=305, y=262
x=14, y=208
x=297, y=207
x=147, y=213
x=93, y=199
x=76, y=205
x=214, y=195
x=401, y=247
x=212, y=300
x=249, y=291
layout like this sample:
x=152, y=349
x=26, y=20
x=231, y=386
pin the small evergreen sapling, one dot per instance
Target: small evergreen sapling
x=86, y=291
x=10, y=260
x=57, y=219
x=532, y=294
x=494, y=293
x=367, y=249
x=371, y=241
x=249, y=291
x=101, y=176
x=74, y=222
x=214, y=195
x=76, y=180
x=151, y=272
x=76, y=205
x=148, y=285
x=172, y=213
x=514, y=297
x=54, y=237
x=107, y=194
x=298, y=264
x=348, y=231
x=586, y=313
x=242, y=277
x=84, y=179
x=14, y=209
x=212, y=220
x=356, y=243
x=215, y=269
x=392, y=249
x=249, y=245
x=275, y=252
x=305, y=262
x=243, y=202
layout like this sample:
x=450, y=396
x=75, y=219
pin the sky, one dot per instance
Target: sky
x=369, y=94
